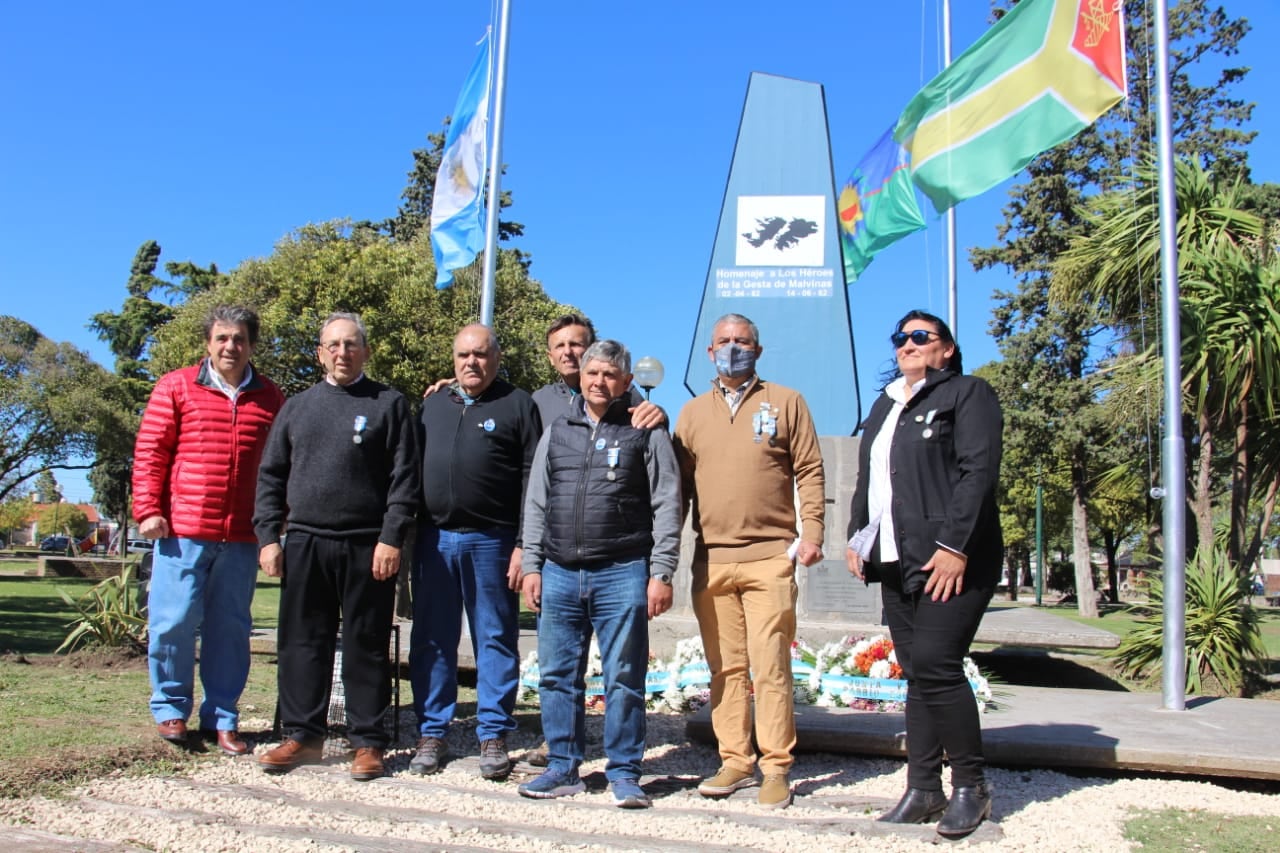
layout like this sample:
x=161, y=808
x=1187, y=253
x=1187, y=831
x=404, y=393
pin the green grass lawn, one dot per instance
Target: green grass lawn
x=33, y=616
x=66, y=718
x=1176, y=830
x=1119, y=620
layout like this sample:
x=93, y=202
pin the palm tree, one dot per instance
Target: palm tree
x=1230, y=317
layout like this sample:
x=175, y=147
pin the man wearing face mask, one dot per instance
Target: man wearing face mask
x=744, y=448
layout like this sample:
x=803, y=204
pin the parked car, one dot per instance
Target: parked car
x=139, y=546
x=55, y=543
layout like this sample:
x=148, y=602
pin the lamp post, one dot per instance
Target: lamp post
x=648, y=374
x=1039, y=535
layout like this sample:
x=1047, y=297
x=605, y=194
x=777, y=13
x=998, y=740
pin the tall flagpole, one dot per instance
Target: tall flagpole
x=495, y=172
x=951, y=211
x=1173, y=460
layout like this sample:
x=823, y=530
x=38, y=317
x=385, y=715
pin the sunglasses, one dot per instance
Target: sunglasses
x=919, y=337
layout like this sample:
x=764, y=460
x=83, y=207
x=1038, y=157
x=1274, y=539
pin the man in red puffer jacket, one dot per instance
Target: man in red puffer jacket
x=195, y=468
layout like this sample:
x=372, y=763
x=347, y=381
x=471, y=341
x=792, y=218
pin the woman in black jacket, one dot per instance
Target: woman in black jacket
x=924, y=524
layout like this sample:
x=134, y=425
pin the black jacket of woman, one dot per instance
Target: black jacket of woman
x=944, y=478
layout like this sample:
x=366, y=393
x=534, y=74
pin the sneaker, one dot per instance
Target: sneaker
x=627, y=794
x=552, y=784
x=726, y=781
x=775, y=793
x=428, y=756
x=494, y=761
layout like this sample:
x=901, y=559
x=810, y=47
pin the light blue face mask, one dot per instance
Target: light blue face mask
x=735, y=360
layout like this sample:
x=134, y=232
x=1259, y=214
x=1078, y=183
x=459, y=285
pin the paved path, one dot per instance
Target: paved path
x=1077, y=729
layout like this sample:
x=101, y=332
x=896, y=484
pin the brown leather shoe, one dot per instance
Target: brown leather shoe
x=174, y=731
x=367, y=764
x=229, y=742
x=289, y=755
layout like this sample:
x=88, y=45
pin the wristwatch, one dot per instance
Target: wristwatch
x=665, y=577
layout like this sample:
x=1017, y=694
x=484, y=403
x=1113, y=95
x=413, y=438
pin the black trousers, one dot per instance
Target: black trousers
x=931, y=639
x=327, y=579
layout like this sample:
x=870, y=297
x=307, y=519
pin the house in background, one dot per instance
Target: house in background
x=101, y=529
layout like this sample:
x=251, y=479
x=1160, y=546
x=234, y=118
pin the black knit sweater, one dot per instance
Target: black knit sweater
x=318, y=477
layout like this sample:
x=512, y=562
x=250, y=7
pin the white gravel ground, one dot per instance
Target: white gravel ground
x=230, y=804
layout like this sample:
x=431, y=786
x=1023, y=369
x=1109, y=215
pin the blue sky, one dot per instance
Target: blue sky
x=216, y=129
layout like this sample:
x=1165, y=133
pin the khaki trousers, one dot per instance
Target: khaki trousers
x=747, y=617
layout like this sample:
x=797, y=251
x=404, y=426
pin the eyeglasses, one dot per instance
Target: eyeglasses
x=919, y=337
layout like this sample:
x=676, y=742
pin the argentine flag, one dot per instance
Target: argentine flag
x=457, y=226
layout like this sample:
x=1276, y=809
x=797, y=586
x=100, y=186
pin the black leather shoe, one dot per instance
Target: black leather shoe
x=968, y=808
x=916, y=806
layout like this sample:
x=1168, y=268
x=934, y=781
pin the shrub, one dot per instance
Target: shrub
x=1223, y=638
x=110, y=614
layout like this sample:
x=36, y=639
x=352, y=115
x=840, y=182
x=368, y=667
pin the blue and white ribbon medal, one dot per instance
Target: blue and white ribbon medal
x=361, y=422
x=928, y=430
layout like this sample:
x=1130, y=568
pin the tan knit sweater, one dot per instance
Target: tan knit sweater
x=742, y=492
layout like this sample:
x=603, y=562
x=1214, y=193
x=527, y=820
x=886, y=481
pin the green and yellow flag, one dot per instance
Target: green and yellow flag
x=1045, y=71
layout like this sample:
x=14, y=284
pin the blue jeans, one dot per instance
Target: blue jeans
x=612, y=601
x=455, y=573
x=206, y=586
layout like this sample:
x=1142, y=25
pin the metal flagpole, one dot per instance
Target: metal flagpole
x=951, y=211
x=1173, y=462
x=495, y=173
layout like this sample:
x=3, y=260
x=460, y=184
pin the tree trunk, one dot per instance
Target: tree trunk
x=1113, y=572
x=1241, y=487
x=1201, y=502
x=1086, y=594
x=1264, y=526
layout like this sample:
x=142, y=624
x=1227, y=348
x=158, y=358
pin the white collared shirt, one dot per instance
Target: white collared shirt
x=879, y=482
x=226, y=387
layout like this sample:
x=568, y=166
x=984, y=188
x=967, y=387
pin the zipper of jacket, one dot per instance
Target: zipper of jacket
x=457, y=434
x=235, y=417
x=579, y=505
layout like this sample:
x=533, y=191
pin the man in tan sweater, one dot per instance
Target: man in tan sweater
x=745, y=448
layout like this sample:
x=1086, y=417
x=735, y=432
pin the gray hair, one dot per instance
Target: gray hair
x=738, y=318
x=350, y=317
x=610, y=352
x=232, y=315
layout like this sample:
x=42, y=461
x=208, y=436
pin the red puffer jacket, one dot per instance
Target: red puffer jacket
x=196, y=458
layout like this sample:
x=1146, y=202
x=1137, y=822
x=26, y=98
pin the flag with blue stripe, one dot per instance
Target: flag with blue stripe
x=457, y=221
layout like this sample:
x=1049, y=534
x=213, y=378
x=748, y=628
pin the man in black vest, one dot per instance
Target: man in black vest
x=601, y=541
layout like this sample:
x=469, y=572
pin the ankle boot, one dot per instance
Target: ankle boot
x=916, y=806
x=968, y=808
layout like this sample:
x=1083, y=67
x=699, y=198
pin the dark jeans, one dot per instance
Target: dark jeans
x=611, y=602
x=458, y=573
x=325, y=579
x=931, y=639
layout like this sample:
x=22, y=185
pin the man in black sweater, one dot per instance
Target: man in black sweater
x=341, y=470
x=478, y=440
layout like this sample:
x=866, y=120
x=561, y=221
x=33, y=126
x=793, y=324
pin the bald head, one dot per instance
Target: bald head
x=475, y=358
